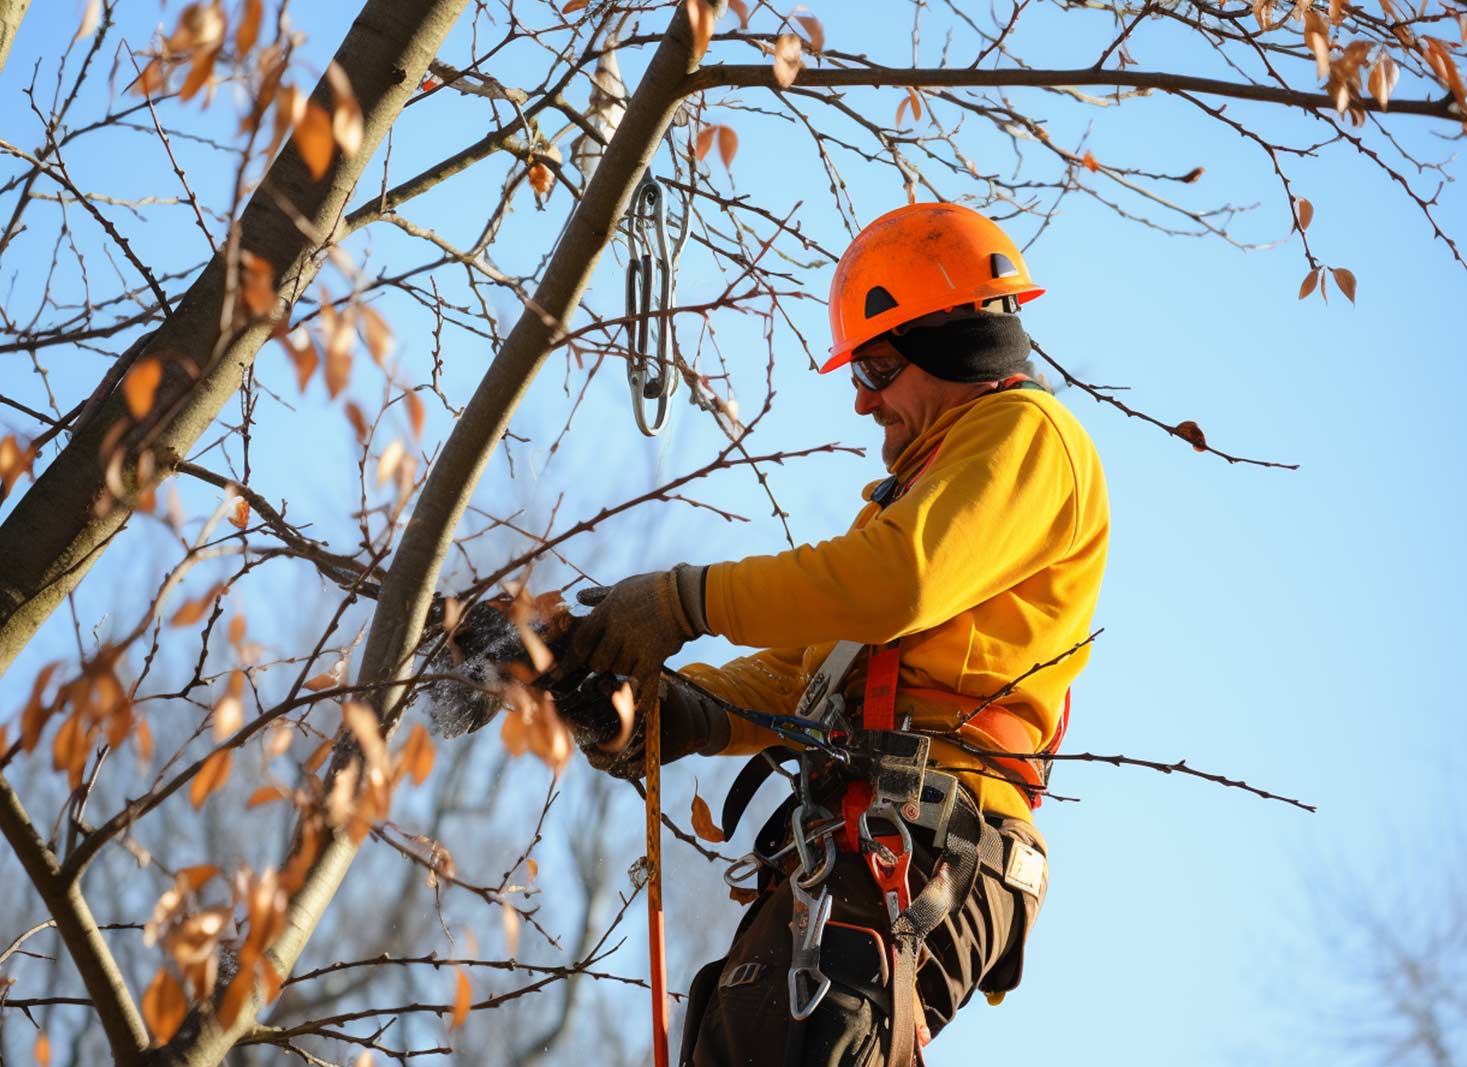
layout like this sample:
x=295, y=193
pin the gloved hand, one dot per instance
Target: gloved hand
x=688, y=723
x=638, y=623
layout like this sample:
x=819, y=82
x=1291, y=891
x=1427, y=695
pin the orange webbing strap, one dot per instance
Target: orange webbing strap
x=878, y=710
x=1009, y=733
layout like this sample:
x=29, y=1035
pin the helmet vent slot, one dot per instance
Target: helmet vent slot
x=1002, y=266
x=877, y=301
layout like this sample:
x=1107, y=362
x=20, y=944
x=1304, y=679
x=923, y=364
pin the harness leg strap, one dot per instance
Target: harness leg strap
x=950, y=882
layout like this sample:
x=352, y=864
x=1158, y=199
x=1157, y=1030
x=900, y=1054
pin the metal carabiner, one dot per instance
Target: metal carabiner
x=651, y=264
x=748, y=864
x=869, y=841
x=809, y=876
x=807, y=925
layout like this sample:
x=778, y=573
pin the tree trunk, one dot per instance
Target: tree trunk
x=12, y=12
x=53, y=535
x=402, y=604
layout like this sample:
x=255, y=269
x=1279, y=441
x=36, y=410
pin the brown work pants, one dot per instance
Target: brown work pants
x=739, y=1007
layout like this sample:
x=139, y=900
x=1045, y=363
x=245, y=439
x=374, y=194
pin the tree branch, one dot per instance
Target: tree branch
x=762, y=75
x=126, y=1035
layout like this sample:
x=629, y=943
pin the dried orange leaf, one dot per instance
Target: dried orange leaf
x=703, y=824
x=237, y=630
x=1307, y=286
x=512, y=733
x=1383, y=78
x=1305, y=211
x=141, y=385
x=704, y=141
x=787, y=62
x=361, y=720
x=266, y=794
x=239, y=518
x=313, y=139
x=248, y=30
x=164, y=1006
x=376, y=333
x=142, y=736
x=212, y=775
x=418, y=754
x=1316, y=38
x=318, y=757
x=741, y=9
x=322, y=681
x=346, y=120
x=533, y=866
x=1089, y=161
x=195, y=878
x=194, y=610
x=417, y=414
x=358, y=422
x=302, y=350
x=91, y=18
x=228, y=717
x=463, y=999
x=1190, y=432
x=257, y=283
x=541, y=180
x=14, y=461
x=701, y=18
x=200, y=73
x=1336, y=12
x=813, y=30
x=728, y=145
x=235, y=997
x=511, y=920
x=574, y=6
x=625, y=705
x=153, y=78
x=391, y=459
x=1345, y=279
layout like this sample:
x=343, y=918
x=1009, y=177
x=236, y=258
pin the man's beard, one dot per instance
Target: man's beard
x=892, y=445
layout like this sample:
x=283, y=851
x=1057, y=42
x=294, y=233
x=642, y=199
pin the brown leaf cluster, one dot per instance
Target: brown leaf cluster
x=189, y=935
x=361, y=794
x=1343, y=84
x=728, y=143
x=97, y=707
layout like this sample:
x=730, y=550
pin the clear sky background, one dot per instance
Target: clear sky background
x=1300, y=630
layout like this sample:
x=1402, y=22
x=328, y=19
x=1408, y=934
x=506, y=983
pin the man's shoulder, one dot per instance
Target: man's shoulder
x=1037, y=410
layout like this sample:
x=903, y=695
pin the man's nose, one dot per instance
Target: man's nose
x=867, y=400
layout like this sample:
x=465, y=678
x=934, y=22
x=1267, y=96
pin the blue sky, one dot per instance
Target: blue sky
x=1299, y=630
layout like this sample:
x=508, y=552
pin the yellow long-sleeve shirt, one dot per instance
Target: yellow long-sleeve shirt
x=991, y=562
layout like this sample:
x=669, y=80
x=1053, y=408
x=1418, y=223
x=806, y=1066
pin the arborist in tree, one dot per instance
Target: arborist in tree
x=905, y=871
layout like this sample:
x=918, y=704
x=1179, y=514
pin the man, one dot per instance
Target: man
x=980, y=556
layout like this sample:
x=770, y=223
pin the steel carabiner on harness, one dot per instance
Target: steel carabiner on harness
x=651, y=265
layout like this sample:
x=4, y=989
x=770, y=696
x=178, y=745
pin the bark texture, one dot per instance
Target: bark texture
x=54, y=534
x=12, y=12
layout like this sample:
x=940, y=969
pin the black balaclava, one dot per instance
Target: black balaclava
x=981, y=347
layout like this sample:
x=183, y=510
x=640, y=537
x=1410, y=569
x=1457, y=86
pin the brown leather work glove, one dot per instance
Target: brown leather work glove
x=638, y=623
x=688, y=724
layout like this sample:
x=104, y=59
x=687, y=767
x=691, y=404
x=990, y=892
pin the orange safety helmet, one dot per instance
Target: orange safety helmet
x=917, y=260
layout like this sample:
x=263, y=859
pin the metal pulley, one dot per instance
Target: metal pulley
x=651, y=283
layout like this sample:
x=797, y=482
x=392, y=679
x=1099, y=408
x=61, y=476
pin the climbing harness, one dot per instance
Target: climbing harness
x=651, y=284
x=877, y=776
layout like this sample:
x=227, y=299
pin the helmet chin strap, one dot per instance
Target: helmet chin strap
x=980, y=348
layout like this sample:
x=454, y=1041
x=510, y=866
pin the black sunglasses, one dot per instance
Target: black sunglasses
x=877, y=372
